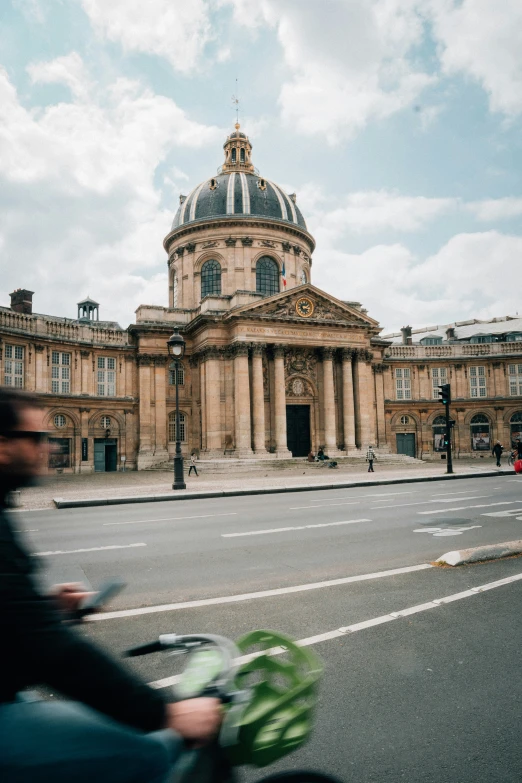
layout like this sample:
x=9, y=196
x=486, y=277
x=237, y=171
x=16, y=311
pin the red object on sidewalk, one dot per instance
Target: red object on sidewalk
x=518, y=466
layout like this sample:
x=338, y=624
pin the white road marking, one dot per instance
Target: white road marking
x=463, y=508
x=91, y=549
x=231, y=599
x=444, y=531
x=460, y=492
x=362, y=626
x=169, y=519
x=425, y=502
x=298, y=508
x=511, y=512
x=370, y=495
x=297, y=527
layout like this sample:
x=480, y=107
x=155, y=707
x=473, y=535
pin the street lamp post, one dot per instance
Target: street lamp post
x=176, y=348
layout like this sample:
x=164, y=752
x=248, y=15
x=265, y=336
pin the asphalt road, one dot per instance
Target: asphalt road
x=434, y=695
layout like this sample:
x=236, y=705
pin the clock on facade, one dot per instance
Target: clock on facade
x=304, y=307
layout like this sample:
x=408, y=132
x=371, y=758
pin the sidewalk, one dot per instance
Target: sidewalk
x=154, y=485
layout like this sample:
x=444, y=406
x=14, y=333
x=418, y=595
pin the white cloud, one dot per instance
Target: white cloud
x=481, y=39
x=464, y=279
x=173, y=29
x=79, y=210
x=349, y=62
x=68, y=70
x=496, y=209
x=372, y=211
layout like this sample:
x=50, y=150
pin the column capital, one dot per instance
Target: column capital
x=160, y=361
x=238, y=349
x=258, y=349
x=39, y=348
x=85, y=354
x=379, y=367
x=209, y=352
x=363, y=354
x=346, y=354
x=144, y=359
x=279, y=351
x=327, y=353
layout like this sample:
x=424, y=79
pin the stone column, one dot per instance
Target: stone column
x=364, y=399
x=39, y=383
x=280, y=402
x=85, y=361
x=348, y=401
x=160, y=407
x=144, y=379
x=329, y=403
x=242, y=424
x=213, y=402
x=86, y=466
x=258, y=399
x=378, y=370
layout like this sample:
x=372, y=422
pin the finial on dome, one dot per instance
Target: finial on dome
x=237, y=126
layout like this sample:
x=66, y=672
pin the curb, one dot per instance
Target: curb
x=479, y=554
x=116, y=501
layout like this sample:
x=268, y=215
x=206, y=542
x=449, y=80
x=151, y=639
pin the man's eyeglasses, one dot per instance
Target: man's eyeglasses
x=36, y=436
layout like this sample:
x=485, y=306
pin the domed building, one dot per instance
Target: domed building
x=273, y=366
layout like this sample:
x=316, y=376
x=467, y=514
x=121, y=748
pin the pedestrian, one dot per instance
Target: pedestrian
x=370, y=457
x=311, y=457
x=192, y=464
x=102, y=723
x=518, y=449
x=320, y=455
x=497, y=452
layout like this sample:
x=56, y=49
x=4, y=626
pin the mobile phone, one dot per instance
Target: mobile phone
x=93, y=602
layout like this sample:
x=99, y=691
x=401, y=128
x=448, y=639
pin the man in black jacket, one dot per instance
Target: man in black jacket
x=101, y=734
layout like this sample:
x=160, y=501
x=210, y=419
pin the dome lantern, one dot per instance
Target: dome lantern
x=237, y=152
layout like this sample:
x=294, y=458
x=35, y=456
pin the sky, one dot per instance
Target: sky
x=396, y=122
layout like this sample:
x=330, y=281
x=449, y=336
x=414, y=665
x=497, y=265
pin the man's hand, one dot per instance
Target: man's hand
x=69, y=596
x=196, y=720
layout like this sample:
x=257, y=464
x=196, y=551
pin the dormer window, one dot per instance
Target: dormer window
x=213, y=184
x=431, y=341
x=482, y=338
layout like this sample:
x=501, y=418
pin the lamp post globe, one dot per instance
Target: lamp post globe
x=176, y=349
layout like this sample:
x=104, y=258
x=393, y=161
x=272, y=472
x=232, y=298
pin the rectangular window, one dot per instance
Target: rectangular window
x=14, y=366
x=477, y=382
x=439, y=375
x=60, y=372
x=106, y=376
x=515, y=380
x=403, y=384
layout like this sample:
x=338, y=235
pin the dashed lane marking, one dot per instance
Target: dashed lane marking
x=296, y=527
x=299, y=508
x=463, y=508
x=362, y=626
x=170, y=519
x=231, y=599
x=91, y=549
x=425, y=502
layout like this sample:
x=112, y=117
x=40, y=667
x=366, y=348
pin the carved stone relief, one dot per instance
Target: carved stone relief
x=302, y=361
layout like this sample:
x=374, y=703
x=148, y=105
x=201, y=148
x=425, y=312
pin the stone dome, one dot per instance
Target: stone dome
x=238, y=190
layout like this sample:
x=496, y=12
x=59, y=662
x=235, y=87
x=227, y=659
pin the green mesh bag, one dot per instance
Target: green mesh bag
x=282, y=679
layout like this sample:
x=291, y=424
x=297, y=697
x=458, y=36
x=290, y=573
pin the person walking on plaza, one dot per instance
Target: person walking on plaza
x=370, y=457
x=192, y=464
x=497, y=452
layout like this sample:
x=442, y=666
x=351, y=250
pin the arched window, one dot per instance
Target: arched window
x=234, y=155
x=210, y=278
x=267, y=276
x=242, y=155
x=405, y=419
x=515, y=426
x=172, y=427
x=105, y=422
x=174, y=290
x=480, y=433
x=439, y=430
x=181, y=375
x=60, y=421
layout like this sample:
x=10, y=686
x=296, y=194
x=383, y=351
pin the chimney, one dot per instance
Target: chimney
x=22, y=301
x=406, y=335
x=450, y=333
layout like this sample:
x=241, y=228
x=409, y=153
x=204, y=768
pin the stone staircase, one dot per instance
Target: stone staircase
x=234, y=466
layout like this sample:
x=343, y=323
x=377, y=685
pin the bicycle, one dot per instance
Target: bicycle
x=267, y=685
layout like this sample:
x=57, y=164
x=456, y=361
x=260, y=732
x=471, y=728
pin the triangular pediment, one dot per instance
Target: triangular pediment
x=288, y=306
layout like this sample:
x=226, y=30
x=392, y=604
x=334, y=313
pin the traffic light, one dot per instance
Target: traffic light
x=446, y=441
x=445, y=393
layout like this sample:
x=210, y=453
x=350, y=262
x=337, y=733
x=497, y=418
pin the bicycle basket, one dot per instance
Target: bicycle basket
x=282, y=679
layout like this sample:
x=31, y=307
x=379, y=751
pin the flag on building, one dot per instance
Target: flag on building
x=283, y=274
